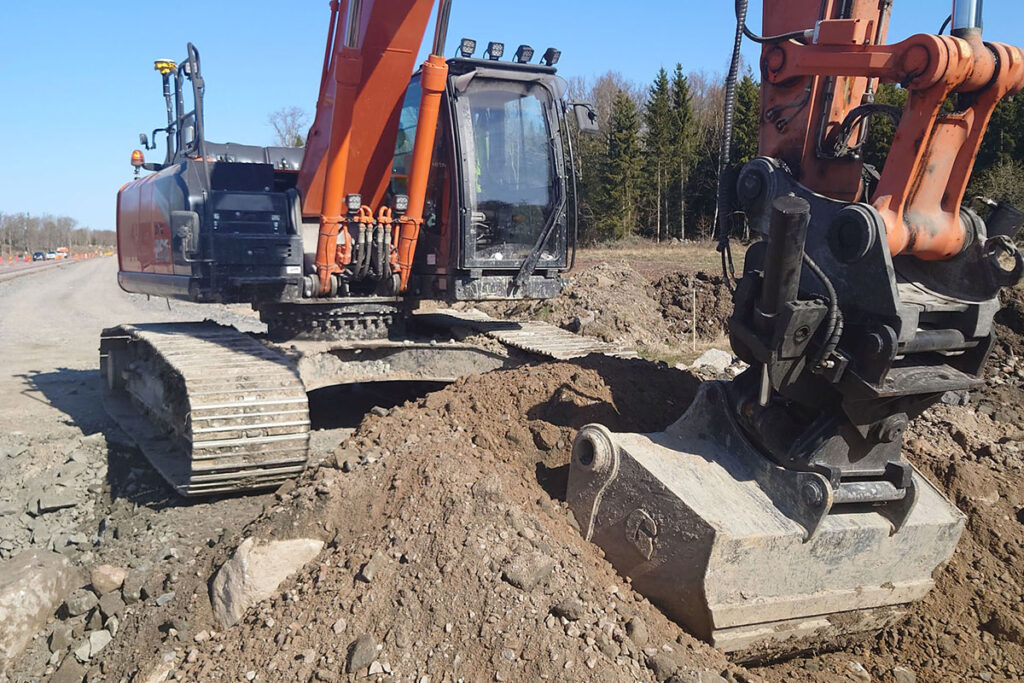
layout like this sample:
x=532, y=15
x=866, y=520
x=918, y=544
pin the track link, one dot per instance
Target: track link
x=211, y=408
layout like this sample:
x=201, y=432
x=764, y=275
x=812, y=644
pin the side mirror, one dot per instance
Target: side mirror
x=144, y=141
x=586, y=117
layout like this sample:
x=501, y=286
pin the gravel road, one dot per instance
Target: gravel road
x=50, y=322
x=70, y=481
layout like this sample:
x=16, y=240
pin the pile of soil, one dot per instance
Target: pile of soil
x=609, y=301
x=679, y=293
x=450, y=552
x=614, y=303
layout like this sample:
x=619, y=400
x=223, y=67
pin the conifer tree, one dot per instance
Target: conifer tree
x=746, y=122
x=684, y=140
x=658, y=144
x=623, y=166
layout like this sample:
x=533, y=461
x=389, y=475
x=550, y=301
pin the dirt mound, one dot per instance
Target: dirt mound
x=613, y=302
x=610, y=301
x=450, y=553
x=678, y=294
x=1012, y=314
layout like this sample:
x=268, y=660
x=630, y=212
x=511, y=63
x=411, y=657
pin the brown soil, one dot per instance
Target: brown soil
x=679, y=294
x=445, y=496
x=460, y=485
x=614, y=302
x=465, y=481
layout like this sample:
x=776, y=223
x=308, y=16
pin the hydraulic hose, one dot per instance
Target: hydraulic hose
x=728, y=270
x=835, y=316
x=741, y=18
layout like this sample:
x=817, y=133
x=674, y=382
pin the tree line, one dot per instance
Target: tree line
x=22, y=233
x=652, y=172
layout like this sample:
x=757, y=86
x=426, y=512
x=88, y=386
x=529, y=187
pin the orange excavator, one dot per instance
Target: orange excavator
x=455, y=185
x=779, y=511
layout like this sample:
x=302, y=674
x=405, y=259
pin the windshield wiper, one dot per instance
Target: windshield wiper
x=526, y=270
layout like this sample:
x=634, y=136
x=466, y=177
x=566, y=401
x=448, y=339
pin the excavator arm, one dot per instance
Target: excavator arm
x=371, y=50
x=779, y=512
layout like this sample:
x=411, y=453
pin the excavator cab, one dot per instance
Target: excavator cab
x=497, y=213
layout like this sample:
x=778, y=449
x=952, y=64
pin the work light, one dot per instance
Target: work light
x=495, y=50
x=524, y=54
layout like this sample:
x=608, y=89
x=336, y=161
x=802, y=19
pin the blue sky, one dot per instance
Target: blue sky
x=78, y=84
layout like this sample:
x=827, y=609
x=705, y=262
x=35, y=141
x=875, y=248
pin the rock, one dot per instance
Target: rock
x=56, y=498
x=32, y=585
x=254, y=572
x=106, y=578
x=372, y=568
x=956, y=398
x=361, y=652
x=80, y=602
x=903, y=675
x=157, y=671
x=570, y=608
x=112, y=605
x=339, y=626
x=132, y=588
x=526, y=571
x=545, y=435
x=61, y=638
x=488, y=489
x=608, y=646
x=82, y=652
x=69, y=672
x=97, y=641
x=164, y=599
x=96, y=441
x=661, y=665
x=636, y=629
x=715, y=360
x=857, y=672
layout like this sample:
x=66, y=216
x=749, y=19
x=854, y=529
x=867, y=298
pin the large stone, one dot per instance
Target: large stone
x=56, y=498
x=254, y=572
x=526, y=571
x=32, y=586
x=80, y=602
x=69, y=672
x=112, y=605
x=132, y=589
x=97, y=641
x=107, y=578
x=714, y=359
x=361, y=653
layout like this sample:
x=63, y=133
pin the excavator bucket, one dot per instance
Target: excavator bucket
x=689, y=515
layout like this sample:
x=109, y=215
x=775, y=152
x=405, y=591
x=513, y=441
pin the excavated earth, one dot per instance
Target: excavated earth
x=615, y=303
x=450, y=554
